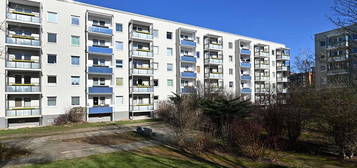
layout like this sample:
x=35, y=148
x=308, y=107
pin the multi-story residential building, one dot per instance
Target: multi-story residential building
x=304, y=79
x=59, y=54
x=336, y=57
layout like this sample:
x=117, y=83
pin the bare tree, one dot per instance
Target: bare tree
x=344, y=14
x=305, y=61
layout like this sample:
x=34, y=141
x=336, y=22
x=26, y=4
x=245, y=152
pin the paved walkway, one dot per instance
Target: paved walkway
x=51, y=148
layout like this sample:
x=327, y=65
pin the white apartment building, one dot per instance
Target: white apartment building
x=58, y=54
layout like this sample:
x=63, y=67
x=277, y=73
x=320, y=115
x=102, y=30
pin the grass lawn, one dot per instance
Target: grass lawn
x=54, y=129
x=167, y=157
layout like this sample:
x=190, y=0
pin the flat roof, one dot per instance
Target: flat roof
x=165, y=20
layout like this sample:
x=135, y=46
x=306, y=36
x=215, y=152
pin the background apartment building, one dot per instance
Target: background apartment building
x=335, y=57
x=60, y=54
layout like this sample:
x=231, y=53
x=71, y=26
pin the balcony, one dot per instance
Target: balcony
x=142, y=53
x=23, y=64
x=23, y=41
x=262, y=54
x=211, y=60
x=100, y=50
x=245, y=52
x=188, y=59
x=282, y=79
x=262, y=66
x=143, y=35
x=338, y=58
x=282, y=57
x=188, y=43
x=100, y=30
x=282, y=68
x=245, y=65
x=188, y=75
x=142, y=89
x=100, y=90
x=214, y=46
x=100, y=110
x=262, y=90
x=23, y=88
x=215, y=75
x=188, y=90
x=142, y=107
x=100, y=70
x=262, y=78
x=142, y=71
x=245, y=77
x=23, y=17
x=246, y=90
x=23, y=112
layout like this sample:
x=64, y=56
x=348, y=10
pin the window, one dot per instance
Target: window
x=51, y=58
x=273, y=74
x=323, y=68
x=156, y=82
x=119, y=27
x=230, y=84
x=156, y=50
x=272, y=52
x=75, y=40
x=156, y=99
x=198, y=69
x=322, y=43
x=75, y=60
x=169, y=35
x=169, y=67
x=273, y=63
x=198, y=54
x=155, y=65
x=230, y=58
x=119, y=81
x=198, y=40
x=51, y=101
x=75, y=80
x=99, y=82
x=52, y=17
x=170, y=82
x=27, y=102
x=27, y=79
x=119, y=63
x=18, y=102
x=230, y=45
x=155, y=33
x=75, y=20
x=52, y=37
x=119, y=100
x=230, y=71
x=75, y=100
x=169, y=52
x=119, y=45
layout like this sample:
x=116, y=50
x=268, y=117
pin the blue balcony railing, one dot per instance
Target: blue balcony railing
x=100, y=90
x=100, y=50
x=101, y=30
x=246, y=90
x=245, y=64
x=100, y=70
x=188, y=90
x=188, y=75
x=100, y=110
x=246, y=77
x=188, y=59
x=245, y=51
x=188, y=43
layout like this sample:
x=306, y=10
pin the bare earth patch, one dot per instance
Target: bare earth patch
x=111, y=139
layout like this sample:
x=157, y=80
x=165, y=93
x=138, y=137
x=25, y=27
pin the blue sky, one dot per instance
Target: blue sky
x=292, y=22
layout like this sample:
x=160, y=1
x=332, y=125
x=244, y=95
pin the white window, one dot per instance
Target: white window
x=75, y=60
x=75, y=40
x=170, y=82
x=119, y=63
x=156, y=50
x=75, y=20
x=119, y=100
x=169, y=67
x=119, y=45
x=75, y=80
x=52, y=17
x=51, y=101
x=169, y=52
x=119, y=27
x=230, y=71
x=155, y=33
x=75, y=100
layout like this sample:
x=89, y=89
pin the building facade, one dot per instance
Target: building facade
x=335, y=57
x=59, y=54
